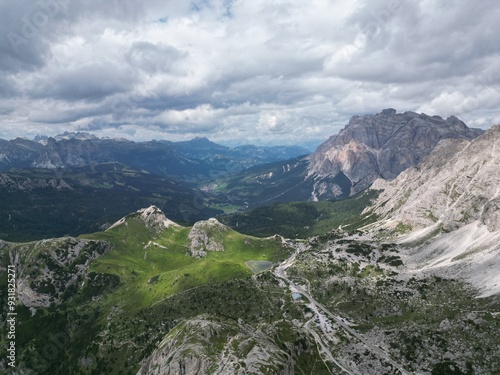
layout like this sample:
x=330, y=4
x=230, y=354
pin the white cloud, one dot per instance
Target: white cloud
x=274, y=71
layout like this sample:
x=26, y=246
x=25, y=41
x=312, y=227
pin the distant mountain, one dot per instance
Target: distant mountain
x=369, y=147
x=234, y=159
x=192, y=161
x=282, y=181
x=154, y=157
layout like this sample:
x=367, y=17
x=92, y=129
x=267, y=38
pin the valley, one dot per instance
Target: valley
x=401, y=278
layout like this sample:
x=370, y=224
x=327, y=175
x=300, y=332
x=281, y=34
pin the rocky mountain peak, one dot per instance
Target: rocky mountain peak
x=455, y=185
x=207, y=235
x=82, y=136
x=155, y=219
x=383, y=145
x=152, y=217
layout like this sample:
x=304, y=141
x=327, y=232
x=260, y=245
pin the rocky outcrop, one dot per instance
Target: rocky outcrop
x=152, y=217
x=206, y=235
x=155, y=219
x=204, y=346
x=457, y=184
x=50, y=271
x=382, y=145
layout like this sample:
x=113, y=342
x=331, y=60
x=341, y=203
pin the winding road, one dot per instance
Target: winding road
x=280, y=272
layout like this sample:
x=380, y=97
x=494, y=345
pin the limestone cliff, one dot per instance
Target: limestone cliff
x=206, y=346
x=382, y=145
x=206, y=235
x=457, y=184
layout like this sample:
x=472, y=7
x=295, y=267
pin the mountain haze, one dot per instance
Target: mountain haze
x=192, y=161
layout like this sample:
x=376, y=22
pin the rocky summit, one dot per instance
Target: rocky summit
x=457, y=184
x=381, y=145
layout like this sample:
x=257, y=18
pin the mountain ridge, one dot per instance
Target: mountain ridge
x=383, y=145
x=191, y=161
x=445, y=211
x=368, y=147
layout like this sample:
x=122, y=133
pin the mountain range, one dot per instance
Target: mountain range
x=76, y=183
x=369, y=147
x=191, y=161
x=97, y=180
x=409, y=287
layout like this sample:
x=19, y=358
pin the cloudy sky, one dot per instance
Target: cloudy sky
x=238, y=71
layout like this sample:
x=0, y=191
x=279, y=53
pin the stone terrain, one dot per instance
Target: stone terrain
x=49, y=271
x=449, y=208
x=203, y=345
x=457, y=184
x=206, y=235
x=382, y=145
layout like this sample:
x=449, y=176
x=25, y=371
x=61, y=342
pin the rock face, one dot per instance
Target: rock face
x=452, y=202
x=195, y=348
x=206, y=235
x=49, y=271
x=155, y=219
x=381, y=145
x=457, y=184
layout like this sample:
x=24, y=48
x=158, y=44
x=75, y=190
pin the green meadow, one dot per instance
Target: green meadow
x=153, y=266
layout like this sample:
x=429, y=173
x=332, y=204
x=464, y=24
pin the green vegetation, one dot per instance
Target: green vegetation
x=116, y=297
x=303, y=219
x=42, y=203
x=139, y=256
x=420, y=318
x=267, y=183
x=115, y=314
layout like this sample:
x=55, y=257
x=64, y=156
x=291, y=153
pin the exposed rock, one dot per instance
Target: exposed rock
x=190, y=349
x=48, y=271
x=382, y=145
x=155, y=219
x=206, y=235
x=457, y=184
x=451, y=201
x=152, y=217
x=12, y=182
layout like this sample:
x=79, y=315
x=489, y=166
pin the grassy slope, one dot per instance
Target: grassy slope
x=264, y=184
x=144, y=270
x=151, y=272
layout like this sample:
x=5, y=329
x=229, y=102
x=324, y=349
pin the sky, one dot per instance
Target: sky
x=242, y=71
